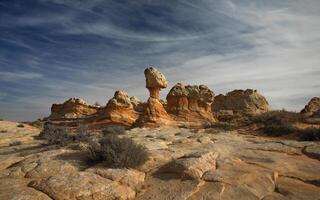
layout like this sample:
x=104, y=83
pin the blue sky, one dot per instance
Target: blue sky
x=51, y=50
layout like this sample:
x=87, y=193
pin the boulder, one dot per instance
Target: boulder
x=72, y=108
x=312, y=109
x=155, y=81
x=193, y=165
x=120, y=110
x=191, y=102
x=241, y=101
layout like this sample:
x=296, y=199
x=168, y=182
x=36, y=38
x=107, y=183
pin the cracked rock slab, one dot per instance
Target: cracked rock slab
x=11, y=188
x=128, y=177
x=313, y=151
x=82, y=186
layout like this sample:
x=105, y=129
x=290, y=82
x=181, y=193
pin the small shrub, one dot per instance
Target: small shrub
x=55, y=135
x=20, y=126
x=224, y=126
x=310, y=134
x=3, y=131
x=114, y=129
x=1, y=120
x=278, y=130
x=15, y=143
x=277, y=117
x=117, y=152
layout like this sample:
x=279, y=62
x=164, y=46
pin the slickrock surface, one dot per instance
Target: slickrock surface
x=199, y=164
x=241, y=101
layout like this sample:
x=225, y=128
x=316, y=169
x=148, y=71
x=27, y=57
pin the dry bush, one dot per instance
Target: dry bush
x=15, y=143
x=56, y=135
x=20, y=126
x=226, y=126
x=3, y=131
x=277, y=123
x=310, y=134
x=117, y=152
x=277, y=117
x=114, y=129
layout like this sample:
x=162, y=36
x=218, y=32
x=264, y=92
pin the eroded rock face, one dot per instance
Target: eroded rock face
x=154, y=114
x=72, y=108
x=120, y=109
x=241, y=101
x=155, y=81
x=312, y=109
x=191, y=102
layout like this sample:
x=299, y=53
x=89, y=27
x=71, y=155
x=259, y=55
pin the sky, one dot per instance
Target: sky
x=51, y=50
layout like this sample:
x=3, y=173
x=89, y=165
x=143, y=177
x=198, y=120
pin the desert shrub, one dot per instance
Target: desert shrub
x=3, y=131
x=56, y=135
x=278, y=130
x=116, y=152
x=114, y=129
x=226, y=126
x=20, y=125
x=277, y=117
x=15, y=143
x=310, y=134
x=1, y=120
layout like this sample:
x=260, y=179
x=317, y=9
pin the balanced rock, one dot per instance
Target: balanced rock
x=312, y=109
x=154, y=113
x=241, y=101
x=155, y=81
x=72, y=108
x=191, y=102
x=120, y=109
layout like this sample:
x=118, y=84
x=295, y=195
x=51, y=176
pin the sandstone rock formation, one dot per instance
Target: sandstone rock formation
x=186, y=106
x=191, y=103
x=241, y=101
x=154, y=113
x=312, y=109
x=120, y=109
x=72, y=108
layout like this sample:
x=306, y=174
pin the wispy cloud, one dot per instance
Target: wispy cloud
x=18, y=76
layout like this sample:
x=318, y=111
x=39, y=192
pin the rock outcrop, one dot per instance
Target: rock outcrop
x=191, y=102
x=186, y=106
x=312, y=109
x=154, y=114
x=72, y=108
x=120, y=109
x=241, y=101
